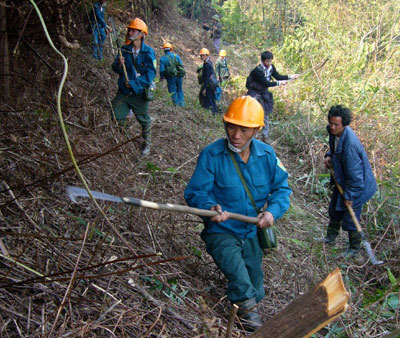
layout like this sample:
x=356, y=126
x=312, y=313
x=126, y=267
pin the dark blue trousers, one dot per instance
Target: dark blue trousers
x=342, y=215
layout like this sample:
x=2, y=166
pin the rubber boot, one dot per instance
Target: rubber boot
x=247, y=312
x=354, y=244
x=331, y=233
x=147, y=145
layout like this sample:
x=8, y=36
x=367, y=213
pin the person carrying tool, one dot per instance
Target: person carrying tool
x=170, y=67
x=258, y=82
x=217, y=185
x=353, y=172
x=216, y=33
x=209, y=82
x=99, y=28
x=139, y=62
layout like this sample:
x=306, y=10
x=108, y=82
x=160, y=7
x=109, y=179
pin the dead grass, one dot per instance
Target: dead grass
x=44, y=242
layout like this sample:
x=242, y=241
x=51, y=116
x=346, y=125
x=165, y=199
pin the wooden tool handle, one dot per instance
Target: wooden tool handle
x=186, y=209
x=349, y=208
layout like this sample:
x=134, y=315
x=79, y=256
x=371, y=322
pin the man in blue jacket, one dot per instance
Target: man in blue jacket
x=99, y=28
x=139, y=61
x=216, y=185
x=353, y=172
x=168, y=71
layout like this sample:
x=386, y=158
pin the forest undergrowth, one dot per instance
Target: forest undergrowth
x=66, y=270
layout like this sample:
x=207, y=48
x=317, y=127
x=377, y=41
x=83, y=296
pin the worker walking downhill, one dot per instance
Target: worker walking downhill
x=171, y=69
x=216, y=33
x=208, y=82
x=353, y=172
x=140, y=63
x=258, y=82
x=217, y=185
x=99, y=28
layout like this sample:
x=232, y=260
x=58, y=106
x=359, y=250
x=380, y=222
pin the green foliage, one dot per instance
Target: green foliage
x=152, y=168
x=156, y=285
x=197, y=252
x=186, y=7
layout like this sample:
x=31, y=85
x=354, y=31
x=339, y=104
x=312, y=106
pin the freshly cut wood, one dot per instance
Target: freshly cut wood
x=310, y=312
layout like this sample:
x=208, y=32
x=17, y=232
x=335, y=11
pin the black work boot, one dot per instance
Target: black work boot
x=331, y=233
x=247, y=313
x=354, y=244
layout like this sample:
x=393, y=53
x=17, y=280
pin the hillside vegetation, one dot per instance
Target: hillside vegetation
x=113, y=270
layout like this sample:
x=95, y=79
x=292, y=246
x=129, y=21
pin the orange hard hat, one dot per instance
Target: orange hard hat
x=222, y=52
x=245, y=111
x=138, y=24
x=167, y=45
x=204, y=51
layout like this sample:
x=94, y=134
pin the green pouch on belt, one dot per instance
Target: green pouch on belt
x=149, y=92
x=267, y=238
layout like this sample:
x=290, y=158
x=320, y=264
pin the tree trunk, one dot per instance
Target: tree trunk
x=193, y=8
x=310, y=312
x=4, y=55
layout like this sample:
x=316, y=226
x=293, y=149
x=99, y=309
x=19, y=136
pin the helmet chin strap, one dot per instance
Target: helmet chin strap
x=238, y=150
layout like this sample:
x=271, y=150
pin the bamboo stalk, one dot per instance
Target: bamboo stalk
x=231, y=320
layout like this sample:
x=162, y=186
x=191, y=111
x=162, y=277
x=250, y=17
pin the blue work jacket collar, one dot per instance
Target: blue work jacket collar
x=256, y=149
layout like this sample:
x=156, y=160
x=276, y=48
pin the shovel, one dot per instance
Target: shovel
x=366, y=244
x=74, y=192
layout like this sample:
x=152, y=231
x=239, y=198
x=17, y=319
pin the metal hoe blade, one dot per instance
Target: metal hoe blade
x=74, y=192
x=370, y=253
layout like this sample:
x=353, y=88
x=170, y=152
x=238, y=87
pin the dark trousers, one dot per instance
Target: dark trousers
x=241, y=262
x=208, y=101
x=267, y=102
x=342, y=216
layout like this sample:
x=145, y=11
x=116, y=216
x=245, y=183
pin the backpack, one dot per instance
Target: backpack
x=249, y=80
x=174, y=68
x=199, y=72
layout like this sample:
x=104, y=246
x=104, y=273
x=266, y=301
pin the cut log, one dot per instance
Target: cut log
x=310, y=312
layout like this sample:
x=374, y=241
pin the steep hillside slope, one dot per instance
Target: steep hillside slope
x=68, y=270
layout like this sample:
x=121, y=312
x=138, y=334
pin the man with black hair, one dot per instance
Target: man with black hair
x=258, y=82
x=353, y=172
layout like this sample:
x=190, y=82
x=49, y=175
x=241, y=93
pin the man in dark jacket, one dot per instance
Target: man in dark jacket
x=258, y=82
x=209, y=82
x=353, y=172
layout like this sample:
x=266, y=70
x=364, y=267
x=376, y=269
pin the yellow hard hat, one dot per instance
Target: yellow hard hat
x=139, y=25
x=167, y=45
x=204, y=51
x=245, y=111
x=222, y=52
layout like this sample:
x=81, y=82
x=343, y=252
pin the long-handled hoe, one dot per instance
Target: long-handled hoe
x=74, y=192
x=366, y=244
